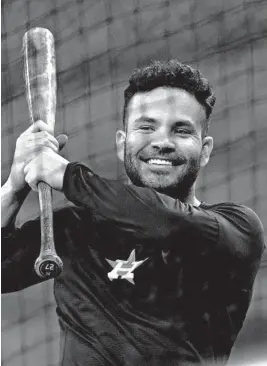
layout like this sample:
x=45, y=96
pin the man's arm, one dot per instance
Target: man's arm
x=234, y=267
x=148, y=214
x=139, y=211
x=30, y=146
x=20, y=247
x=16, y=258
x=11, y=202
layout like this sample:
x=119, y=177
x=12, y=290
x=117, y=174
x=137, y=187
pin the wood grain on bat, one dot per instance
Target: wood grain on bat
x=40, y=75
x=40, y=79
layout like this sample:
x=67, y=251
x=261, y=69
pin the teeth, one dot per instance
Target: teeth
x=159, y=162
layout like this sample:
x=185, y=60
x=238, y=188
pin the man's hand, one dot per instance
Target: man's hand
x=36, y=159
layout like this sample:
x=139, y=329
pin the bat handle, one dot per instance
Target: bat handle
x=48, y=264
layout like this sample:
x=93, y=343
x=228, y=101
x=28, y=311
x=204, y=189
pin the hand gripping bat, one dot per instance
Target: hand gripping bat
x=40, y=80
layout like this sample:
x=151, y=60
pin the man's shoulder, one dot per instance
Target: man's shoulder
x=235, y=211
x=238, y=222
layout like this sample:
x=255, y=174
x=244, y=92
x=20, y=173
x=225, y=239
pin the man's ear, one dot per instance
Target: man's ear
x=120, y=143
x=207, y=146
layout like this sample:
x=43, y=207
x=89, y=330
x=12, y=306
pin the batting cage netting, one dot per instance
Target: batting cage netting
x=98, y=44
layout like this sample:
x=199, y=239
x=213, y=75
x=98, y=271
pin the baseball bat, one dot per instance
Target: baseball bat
x=40, y=82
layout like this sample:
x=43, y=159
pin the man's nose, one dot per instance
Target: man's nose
x=162, y=140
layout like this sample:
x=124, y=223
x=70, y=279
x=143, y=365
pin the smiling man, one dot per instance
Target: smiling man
x=152, y=276
x=163, y=144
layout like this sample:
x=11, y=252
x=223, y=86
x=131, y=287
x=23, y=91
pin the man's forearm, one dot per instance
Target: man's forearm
x=11, y=202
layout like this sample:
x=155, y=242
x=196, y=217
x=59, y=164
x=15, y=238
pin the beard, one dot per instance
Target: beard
x=178, y=187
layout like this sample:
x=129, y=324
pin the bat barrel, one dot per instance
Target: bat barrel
x=40, y=74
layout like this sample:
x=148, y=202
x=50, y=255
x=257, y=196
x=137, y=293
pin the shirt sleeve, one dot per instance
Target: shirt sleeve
x=234, y=266
x=225, y=229
x=240, y=248
x=140, y=211
x=21, y=247
x=241, y=229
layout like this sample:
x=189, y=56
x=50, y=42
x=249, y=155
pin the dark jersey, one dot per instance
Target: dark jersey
x=147, y=279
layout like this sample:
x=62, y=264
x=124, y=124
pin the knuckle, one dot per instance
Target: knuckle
x=44, y=151
x=19, y=139
x=39, y=145
x=25, y=168
x=40, y=134
x=36, y=151
x=47, y=141
x=28, y=179
x=38, y=124
x=45, y=127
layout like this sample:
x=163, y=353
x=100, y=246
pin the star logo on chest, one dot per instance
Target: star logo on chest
x=123, y=269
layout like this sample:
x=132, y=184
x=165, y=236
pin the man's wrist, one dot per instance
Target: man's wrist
x=11, y=201
x=62, y=172
x=15, y=193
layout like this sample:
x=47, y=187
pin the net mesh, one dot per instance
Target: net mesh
x=98, y=44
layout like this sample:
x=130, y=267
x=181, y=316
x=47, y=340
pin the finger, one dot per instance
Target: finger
x=31, y=180
x=39, y=126
x=43, y=138
x=62, y=140
x=28, y=131
x=32, y=152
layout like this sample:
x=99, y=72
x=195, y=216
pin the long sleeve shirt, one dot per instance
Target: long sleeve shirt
x=147, y=279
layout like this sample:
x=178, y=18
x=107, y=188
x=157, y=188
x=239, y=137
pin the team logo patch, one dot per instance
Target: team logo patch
x=124, y=268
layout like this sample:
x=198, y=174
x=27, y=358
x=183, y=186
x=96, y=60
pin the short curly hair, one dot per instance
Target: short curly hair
x=174, y=74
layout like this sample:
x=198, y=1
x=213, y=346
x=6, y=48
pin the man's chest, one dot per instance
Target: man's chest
x=121, y=268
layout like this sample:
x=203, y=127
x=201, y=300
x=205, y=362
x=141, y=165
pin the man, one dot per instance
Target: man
x=152, y=276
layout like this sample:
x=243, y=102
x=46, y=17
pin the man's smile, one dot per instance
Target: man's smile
x=163, y=162
x=160, y=165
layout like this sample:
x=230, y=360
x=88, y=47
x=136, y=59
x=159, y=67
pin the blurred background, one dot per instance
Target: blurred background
x=98, y=44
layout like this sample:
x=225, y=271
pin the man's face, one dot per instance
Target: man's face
x=162, y=146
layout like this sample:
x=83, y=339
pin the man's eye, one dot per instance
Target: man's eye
x=145, y=127
x=182, y=131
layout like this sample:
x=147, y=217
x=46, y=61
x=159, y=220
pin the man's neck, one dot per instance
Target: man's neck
x=190, y=197
x=193, y=201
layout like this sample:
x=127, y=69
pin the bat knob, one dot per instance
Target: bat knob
x=48, y=266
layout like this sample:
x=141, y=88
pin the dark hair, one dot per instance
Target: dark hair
x=171, y=74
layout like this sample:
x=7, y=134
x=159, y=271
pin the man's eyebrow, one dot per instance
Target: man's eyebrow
x=184, y=122
x=145, y=119
x=180, y=122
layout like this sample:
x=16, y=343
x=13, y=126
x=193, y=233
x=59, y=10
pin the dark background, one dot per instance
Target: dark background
x=98, y=44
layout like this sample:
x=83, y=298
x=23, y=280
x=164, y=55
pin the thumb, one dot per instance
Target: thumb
x=62, y=140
